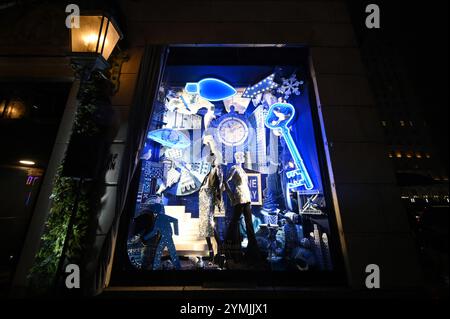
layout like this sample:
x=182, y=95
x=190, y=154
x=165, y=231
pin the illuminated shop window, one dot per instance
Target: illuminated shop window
x=418, y=155
x=398, y=154
x=231, y=177
x=409, y=154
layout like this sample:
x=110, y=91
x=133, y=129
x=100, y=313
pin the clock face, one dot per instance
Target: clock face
x=232, y=131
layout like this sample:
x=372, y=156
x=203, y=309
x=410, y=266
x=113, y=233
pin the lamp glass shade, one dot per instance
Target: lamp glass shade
x=96, y=34
x=112, y=37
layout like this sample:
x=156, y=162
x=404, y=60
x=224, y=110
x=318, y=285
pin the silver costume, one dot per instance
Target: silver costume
x=210, y=201
x=240, y=179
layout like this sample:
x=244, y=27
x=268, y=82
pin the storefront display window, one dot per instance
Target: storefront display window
x=231, y=176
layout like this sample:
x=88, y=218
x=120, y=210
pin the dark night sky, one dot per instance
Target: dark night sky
x=419, y=30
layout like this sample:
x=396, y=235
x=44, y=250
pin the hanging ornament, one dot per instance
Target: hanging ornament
x=211, y=89
x=188, y=183
x=290, y=86
x=263, y=86
x=173, y=154
x=209, y=117
x=268, y=99
x=257, y=99
x=170, y=138
x=240, y=103
x=193, y=103
x=173, y=101
x=185, y=103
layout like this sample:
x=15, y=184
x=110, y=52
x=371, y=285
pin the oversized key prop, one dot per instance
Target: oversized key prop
x=278, y=118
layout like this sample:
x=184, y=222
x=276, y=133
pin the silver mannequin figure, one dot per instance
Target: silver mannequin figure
x=211, y=203
x=241, y=200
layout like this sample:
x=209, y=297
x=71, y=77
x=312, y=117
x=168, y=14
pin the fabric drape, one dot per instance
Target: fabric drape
x=147, y=87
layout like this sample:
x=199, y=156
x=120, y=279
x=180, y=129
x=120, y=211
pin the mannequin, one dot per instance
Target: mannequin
x=211, y=203
x=241, y=200
x=162, y=227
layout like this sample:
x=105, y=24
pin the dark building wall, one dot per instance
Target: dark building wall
x=403, y=117
x=410, y=91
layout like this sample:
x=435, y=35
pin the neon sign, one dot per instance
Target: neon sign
x=278, y=117
x=265, y=85
x=211, y=89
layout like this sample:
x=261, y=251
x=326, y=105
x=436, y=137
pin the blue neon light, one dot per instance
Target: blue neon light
x=169, y=138
x=211, y=89
x=265, y=85
x=278, y=117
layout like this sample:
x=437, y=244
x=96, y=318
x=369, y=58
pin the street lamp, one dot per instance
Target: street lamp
x=94, y=40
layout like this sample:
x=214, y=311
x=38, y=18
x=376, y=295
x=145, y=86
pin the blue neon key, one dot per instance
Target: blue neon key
x=278, y=117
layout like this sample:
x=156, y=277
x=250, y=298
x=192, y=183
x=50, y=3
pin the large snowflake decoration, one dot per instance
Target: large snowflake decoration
x=290, y=86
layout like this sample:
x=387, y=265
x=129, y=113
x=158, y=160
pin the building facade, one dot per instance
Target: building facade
x=371, y=225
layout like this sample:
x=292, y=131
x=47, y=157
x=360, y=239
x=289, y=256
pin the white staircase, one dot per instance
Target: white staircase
x=187, y=243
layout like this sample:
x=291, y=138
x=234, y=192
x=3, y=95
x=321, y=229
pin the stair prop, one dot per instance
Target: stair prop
x=188, y=242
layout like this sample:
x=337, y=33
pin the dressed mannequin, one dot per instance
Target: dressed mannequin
x=241, y=200
x=211, y=203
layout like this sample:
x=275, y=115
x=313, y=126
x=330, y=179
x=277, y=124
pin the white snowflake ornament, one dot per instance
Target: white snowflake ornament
x=290, y=86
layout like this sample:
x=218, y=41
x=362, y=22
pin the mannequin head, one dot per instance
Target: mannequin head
x=239, y=157
x=211, y=158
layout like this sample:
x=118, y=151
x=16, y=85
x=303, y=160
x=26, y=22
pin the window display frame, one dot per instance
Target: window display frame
x=124, y=273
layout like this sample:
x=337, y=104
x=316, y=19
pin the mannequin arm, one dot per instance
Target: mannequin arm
x=174, y=221
x=227, y=186
x=229, y=193
x=231, y=175
x=175, y=227
x=221, y=181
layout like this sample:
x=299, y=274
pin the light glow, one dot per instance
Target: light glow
x=90, y=41
x=27, y=162
x=211, y=89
